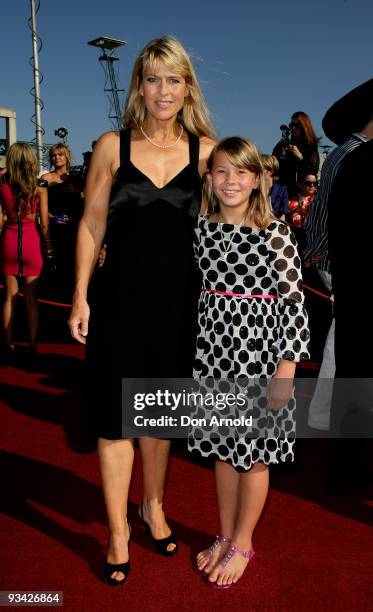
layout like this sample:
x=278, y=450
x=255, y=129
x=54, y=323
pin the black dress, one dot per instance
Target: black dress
x=143, y=300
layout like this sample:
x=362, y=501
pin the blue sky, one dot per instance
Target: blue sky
x=257, y=61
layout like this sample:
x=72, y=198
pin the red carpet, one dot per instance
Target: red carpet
x=312, y=553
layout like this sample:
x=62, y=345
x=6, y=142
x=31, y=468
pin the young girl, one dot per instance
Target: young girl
x=22, y=200
x=251, y=323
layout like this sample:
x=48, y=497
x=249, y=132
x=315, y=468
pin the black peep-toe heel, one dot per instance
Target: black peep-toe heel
x=110, y=568
x=160, y=545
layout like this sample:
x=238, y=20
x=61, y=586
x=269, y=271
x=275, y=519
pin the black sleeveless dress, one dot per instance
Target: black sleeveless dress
x=143, y=301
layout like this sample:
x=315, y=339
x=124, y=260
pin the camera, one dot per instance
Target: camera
x=285, y=139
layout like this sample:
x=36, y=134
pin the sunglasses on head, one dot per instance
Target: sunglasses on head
x=310, y=183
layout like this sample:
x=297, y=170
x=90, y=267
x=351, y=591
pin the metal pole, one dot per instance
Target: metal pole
x=114, y=88
x=38, y=104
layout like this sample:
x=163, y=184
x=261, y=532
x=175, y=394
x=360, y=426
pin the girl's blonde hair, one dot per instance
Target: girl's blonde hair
x=241, y=153
x=22, y=174
x=194, y=115
x=65, y=149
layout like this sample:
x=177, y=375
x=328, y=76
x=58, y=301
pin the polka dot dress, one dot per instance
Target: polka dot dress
x=244, y=338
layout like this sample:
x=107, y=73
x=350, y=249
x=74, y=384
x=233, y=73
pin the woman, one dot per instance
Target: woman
x=59, y=160
x=65, y=210
x=22, y=201
x=299, y=207
x=64, y=189
x=143, y=191
x=300, y=154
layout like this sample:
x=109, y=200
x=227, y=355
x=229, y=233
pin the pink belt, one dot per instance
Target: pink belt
x=265, y=296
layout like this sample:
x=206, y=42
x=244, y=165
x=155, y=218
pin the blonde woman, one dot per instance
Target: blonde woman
x=251, y=324
x=143, y=192
x=60, y=159
x=22, y=200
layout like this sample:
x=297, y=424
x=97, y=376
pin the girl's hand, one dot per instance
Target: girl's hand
x=280, y=388
x=78, y=321
x=279, y=392
x=295, y=151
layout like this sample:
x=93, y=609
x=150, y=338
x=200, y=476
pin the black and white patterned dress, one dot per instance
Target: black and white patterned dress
x=245, y=337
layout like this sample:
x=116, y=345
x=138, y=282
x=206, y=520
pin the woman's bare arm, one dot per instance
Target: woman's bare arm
x=92, y=227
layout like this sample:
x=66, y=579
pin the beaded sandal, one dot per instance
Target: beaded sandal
x=248, y=554
x=211, y=550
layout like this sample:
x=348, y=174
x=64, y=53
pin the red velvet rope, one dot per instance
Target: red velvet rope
x=61, y=305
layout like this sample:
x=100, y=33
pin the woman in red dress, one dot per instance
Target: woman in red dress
x=22, y=203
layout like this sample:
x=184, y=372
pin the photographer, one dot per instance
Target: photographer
x=297, y=151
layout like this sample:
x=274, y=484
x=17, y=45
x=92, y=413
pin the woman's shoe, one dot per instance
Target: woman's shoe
x=160, y=545
x=211, y=550
x=248, y=554
x=110, y=568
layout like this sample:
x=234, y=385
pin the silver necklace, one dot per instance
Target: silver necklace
x=155, y=144
x=226, y=248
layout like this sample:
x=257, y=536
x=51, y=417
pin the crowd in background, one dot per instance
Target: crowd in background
x=291, y=178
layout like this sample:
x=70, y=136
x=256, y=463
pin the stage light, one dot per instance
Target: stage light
x=61, y=132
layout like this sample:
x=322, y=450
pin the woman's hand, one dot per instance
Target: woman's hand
x=295, y=151
x=102, y=256
x=280, y=388
x=78, y=321
x=50, y=260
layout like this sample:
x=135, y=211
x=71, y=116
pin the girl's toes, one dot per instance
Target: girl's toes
x=213, y=576
x=201, y=561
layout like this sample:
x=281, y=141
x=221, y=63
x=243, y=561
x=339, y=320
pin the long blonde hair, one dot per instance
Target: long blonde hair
x=194, y=115
x=241, y=153
x=22, y=174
